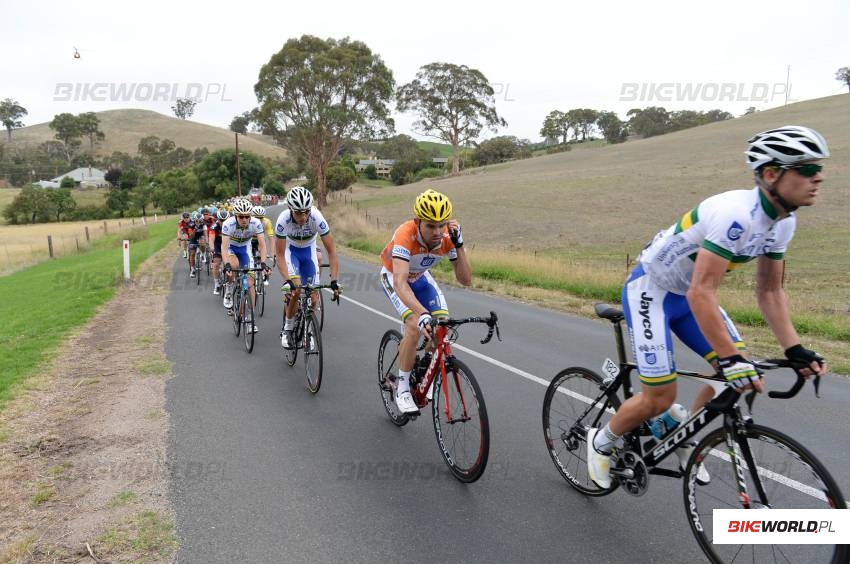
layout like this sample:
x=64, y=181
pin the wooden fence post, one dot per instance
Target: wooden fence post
x=87, y=234
x=50, y=245
x=104, y=227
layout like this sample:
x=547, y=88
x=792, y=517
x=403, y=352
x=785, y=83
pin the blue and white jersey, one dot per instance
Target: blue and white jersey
x=241, y=237
x=739, y=225
x=301, y=235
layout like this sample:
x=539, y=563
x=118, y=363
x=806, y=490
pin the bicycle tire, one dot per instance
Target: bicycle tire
x=312, y=353
x=261, y=296
x=466, y=464
x=320, y=310
x=249, y=321
x=236, y=298
x=291, y=354
x=797, y=481
x=208, y=263
x=566, y=419
x=197, y=268
x=387, y=375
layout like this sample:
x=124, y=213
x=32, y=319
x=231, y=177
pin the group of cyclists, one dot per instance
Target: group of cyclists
x=672, y=291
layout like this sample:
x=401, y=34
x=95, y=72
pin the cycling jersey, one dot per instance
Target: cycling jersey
x=183, y=225
x=241, y=237
x=408, y=246
x=301, y=235
x=739, y=225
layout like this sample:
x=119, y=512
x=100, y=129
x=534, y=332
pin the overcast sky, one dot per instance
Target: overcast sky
x=539, y=56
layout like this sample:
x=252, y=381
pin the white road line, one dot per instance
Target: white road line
x=536, y=379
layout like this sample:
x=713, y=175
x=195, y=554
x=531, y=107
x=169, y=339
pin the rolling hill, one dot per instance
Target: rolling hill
x=125, y=128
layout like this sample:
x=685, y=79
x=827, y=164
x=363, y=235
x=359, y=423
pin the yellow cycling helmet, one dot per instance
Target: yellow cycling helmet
x=432, y=206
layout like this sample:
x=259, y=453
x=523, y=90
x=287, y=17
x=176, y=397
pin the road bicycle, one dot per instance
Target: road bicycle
x=242, y=310
x=306, y=333
x=261, y=284
x=458, y=412
x=749, y=466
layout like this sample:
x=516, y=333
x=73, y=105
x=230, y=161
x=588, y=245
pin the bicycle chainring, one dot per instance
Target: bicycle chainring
x=638, y=483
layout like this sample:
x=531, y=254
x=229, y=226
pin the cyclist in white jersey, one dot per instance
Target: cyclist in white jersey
x=296, y=231
x=236, y=234
x=673, y=290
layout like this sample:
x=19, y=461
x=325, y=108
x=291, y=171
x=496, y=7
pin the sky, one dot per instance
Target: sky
x=538, y=56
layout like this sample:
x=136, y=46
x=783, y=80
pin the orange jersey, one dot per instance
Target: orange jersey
x=409, y=247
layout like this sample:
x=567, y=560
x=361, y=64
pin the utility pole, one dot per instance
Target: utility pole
x=238, y=176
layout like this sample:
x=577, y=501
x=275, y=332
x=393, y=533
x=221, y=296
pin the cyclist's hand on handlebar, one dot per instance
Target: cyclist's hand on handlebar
x=288, y=285
x=424, y=325
x=455, y=233
x=740, y=374
x=815, y=362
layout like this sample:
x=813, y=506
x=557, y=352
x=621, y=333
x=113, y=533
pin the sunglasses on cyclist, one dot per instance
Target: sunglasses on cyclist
x=805, y=170
x=300, y=212
x=240, y=216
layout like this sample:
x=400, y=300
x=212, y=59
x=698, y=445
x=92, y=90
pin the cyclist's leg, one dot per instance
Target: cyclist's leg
x=193, y=250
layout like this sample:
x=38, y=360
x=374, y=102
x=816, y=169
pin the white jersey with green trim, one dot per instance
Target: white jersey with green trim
x=301, y=235
x=739, y=225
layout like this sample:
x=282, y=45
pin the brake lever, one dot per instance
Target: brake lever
x=750, y=398
x=816, y=383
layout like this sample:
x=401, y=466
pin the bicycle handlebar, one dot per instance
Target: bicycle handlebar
x=797, y=367
x=492, y=322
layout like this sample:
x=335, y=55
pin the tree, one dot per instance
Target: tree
x=67, y=128
x=498, y=149
x=340, y=177
x=185, y=107
x=113, y=176
x=750, y=110
x=371, y=172
x=118, y=200
x=31, y=202
x=650, y=121
x=220, y=166
x=556, y=126
x=582, y=121
x=141, y=196
x=843, y=75
x=316, y=93
x=454, y=103
x=67, y=182
x=613, y=129
x=10, y=114
x=62, y=201
x=240, y=123
x=88, y=124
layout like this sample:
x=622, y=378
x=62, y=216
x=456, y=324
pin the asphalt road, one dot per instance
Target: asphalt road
x=263, y=471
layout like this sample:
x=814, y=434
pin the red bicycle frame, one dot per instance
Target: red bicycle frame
x=442, y=351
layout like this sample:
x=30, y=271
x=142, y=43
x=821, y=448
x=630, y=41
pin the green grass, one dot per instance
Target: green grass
x=122, y=498
x=44, y=303
x=45, y=494
x=154, y=367
x=443, y=149
x=147, y=535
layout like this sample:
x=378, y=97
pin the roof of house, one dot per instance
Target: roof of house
x=83, y=174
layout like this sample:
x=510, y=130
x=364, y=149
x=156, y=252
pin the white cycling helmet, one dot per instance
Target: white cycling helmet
x=258, y=211
x=242, y=207
x=299, y=198
x=786, y=145
x=223, y=214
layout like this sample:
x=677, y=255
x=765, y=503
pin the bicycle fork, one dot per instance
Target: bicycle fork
x=445, y=367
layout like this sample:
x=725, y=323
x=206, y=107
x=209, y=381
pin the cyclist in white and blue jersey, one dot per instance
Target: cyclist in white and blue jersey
x=673, y=290
x=236, y=234
x=296, y=231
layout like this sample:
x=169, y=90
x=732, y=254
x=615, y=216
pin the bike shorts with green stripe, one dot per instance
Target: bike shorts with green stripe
x=653, y=316
x=425, y=289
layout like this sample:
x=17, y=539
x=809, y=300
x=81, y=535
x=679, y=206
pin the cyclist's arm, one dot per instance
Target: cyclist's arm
x=773, y=302
x=225, y=245
x=328, y=242
x=709, y=271
x=462, y=268
x=261, y=247
x=402, y=288
x=280, y=257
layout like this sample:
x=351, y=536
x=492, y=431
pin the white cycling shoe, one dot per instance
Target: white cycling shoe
x=404, y=402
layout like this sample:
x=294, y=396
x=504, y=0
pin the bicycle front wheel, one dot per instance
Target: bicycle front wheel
x=460, y=422
x=574, y=403
x=320, y=309
x=248, y=313
x=292, y=352
x=235, y=299
x=261, y=296
x=783, y=475
x=312, y=353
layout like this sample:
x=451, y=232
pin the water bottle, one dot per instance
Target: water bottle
x=668, y=420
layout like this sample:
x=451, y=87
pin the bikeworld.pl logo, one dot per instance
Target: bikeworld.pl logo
x=705, y=92
x=781, y=526
x=138, y=91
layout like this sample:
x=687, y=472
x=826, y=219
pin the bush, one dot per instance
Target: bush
x=558, y=149
x=67, y=182
x=429, y=173
x=83, y=213
x=371, y=172
x=339, y=177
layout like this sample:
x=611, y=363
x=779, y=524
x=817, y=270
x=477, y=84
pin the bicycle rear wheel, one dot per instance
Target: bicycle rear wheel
x=312, y=353
x=573, y=404
x=388, y=375
x=319, y=309
x=248, y=313
x=790, y=477
x=261, y=296
x=460, y=422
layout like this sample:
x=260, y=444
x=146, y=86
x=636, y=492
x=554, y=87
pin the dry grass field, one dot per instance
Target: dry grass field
x=125, y=128
x=25, y=245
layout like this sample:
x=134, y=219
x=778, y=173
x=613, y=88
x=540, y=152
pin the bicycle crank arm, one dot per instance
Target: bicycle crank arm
x=625, y=473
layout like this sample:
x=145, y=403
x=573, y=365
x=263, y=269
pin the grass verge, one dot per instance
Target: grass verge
x=44, y=303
